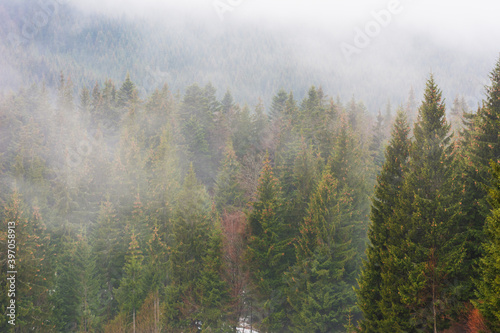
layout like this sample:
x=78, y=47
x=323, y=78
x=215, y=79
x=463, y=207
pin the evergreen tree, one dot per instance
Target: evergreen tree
x=130, y=293
x=212, y=291
x=127, y=92
x=191, y=239
x=108, y=244
x=268, y=252
x=278, y=105
x=85, y=100
x=155, y=278
x=488, y=287
x=89, y=292
x=301, y=181
x=227, y=102
x=348, y=167
x=228, y=192
x=429, y=256
x=320, y=285
x=34, y=277
x=389, y=184
x=479, y=144
x=197, y=124
x=67, y=297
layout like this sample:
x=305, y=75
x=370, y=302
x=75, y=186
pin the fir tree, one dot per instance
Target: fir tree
x=109, y=246
x=227, y=102
x=34, y=277
x=320, y=285
x=67, y=298
x=268, y=250
x=228, y=192
x=130, y=293
x=389, y=184
x=479, y=144
x=429, y=256
x=488, y=286
x=127, y=92
x=191, y=238
x=278, y=105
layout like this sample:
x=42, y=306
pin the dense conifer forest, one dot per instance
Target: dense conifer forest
x=150, y=203
x=186, y=213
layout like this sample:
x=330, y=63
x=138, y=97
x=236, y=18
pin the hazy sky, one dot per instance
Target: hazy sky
x=460, y=23
x=458, y=41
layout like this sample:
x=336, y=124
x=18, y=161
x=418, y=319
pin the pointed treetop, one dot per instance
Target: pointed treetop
x=432, y=113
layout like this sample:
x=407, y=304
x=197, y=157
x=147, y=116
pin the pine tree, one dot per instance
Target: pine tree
x=320, y=285
x=350, y=169
x=197, y=124
x=228, y=192
x=190, y=241
x=85, y=100
x=89, y=292
x=130, y=292
x=302, y=181
x=212, y=291
x=155, y=278
x=227, y=102
x=488, y=286
x=108, y=244
x=127, y=93
x=389, y=184
x=67, y=297
x=429, y=256
x=34, y=277
x=268, y=250
x=278, y=105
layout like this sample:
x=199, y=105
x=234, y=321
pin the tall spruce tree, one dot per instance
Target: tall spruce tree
x=130, y=293
x=229, y=194
x=278, y=105
x=389, y=184
x=320, y=284
x=479, y=143
x=427, y=263
x=193, y=256
x=268, y=250
x=489, y=283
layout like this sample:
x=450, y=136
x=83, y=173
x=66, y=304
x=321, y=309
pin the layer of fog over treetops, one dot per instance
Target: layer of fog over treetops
x=144, y=177
x=254, y=47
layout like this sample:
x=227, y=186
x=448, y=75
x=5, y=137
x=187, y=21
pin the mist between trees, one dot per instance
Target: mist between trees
x=185, y=213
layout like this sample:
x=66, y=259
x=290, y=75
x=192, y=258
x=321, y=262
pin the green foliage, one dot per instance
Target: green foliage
x=478, y=144
x=488, y=287
x=200, y=254
x=229, y=194
x=321, y=283
x=426, y=262
x=374, y=297
x=194, y=299
x=130, y=292
x=269, y=252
